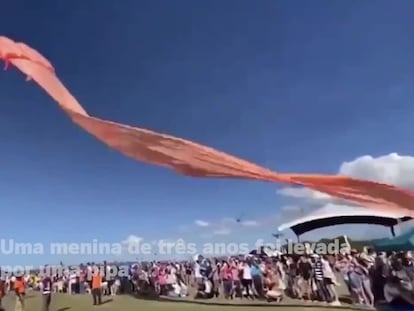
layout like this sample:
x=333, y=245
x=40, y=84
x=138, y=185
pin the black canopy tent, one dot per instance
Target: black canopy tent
x=332, y=215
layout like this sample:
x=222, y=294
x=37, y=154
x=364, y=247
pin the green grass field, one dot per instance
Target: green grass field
x=64, y=302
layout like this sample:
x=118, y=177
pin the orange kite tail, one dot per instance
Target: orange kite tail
x=189, y=158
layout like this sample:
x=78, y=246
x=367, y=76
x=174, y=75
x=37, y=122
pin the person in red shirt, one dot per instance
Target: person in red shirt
x=20, y=290
x=97, y=288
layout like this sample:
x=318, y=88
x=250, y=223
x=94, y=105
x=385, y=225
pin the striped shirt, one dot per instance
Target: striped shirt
x=318, y=269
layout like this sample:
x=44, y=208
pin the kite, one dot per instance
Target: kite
x=187, y=157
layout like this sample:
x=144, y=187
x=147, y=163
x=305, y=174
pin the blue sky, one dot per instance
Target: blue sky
x=295, y=86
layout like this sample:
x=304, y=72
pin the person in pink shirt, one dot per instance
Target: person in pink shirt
x=236, y=278
x=162, y=280
x=226, y=276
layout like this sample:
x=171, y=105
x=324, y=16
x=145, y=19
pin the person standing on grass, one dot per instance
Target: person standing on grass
x=257, y=275
x=46, y=292
x=97, y=287
x=198, y=277
x=317, y=267
x=236, y=290
x=109, y=279
x=330, y=280
x=20, y=290
x=247, y=278
x=304, y=270
x=227, y=280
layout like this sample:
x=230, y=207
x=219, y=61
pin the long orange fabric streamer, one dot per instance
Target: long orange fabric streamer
x=187, y=157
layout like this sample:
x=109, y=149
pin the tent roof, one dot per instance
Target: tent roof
x=403, y=242
x=332, y=215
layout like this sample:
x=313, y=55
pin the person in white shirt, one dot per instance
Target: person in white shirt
x=197, y=273
x=72, y=282
x=247, y=279
x=281, y=270
x=116, y=286
x=330, y=280
x=171, y=278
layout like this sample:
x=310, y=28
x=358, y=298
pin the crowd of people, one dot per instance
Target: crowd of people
x=85, y=279
x=369, y=278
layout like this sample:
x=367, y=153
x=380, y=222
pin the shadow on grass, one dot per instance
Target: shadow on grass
x=257, y=303
x=107, y=301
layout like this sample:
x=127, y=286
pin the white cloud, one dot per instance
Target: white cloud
x=301, y=193
x=391, y=169
x=201, y=223
x=132, y=239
